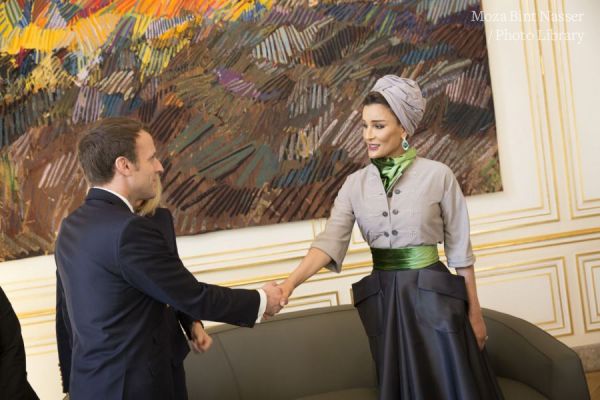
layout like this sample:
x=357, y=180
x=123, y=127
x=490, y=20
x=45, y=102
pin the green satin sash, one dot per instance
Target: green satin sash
x=391, y=169
x=404, y=258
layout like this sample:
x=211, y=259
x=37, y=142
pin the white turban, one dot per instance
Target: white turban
x=405, y=99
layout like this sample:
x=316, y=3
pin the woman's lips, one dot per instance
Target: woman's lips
x=373, y=147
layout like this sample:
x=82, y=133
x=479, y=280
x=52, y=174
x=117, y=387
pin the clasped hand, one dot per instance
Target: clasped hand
x=277, y=298
x=201, y=341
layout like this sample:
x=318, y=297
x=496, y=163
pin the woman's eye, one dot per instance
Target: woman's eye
x=379, y=126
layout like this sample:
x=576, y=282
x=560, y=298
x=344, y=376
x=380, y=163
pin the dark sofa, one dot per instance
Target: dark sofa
x=323, y=354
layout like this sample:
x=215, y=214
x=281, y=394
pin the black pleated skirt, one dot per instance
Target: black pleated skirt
x=421, y=338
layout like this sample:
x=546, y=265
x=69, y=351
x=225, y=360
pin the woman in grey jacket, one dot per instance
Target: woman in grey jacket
x=425, y=325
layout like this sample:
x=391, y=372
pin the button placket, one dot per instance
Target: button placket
x=386, y=214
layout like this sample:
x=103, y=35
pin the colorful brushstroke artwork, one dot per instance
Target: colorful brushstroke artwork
x=254, y=105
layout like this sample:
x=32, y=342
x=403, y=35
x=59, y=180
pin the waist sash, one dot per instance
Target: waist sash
x=404, y=258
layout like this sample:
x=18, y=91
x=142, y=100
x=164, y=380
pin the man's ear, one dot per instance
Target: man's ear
x=123, y=166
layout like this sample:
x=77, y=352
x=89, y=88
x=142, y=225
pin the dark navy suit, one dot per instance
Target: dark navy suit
x=117, y=271
x=175, y=320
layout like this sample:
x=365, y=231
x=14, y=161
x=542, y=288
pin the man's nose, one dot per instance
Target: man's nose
x=159, y=168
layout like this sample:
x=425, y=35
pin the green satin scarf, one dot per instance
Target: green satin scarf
x=413, y=257
x=391, y=169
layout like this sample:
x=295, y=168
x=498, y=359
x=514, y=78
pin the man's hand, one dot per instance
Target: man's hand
x=274, y=299
x=201, y=341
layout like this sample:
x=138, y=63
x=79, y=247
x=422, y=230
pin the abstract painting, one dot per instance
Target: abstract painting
x=254, y=105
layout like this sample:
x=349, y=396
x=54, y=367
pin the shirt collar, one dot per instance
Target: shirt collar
x=118, y=195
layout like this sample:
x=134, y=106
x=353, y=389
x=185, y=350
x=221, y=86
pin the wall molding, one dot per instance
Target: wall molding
x=588, y=268
x=550, y=272
x=44, y=284
x=579, y=205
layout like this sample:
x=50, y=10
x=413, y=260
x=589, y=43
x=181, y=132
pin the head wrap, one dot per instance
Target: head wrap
x=405, y=99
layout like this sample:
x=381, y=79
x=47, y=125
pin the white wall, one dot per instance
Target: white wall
x=537, y=242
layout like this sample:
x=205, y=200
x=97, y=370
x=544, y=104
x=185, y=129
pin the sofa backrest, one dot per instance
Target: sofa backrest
x=308, y=352
x=326, y=350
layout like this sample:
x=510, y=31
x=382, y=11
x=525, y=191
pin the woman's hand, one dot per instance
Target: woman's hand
x=314, y=260
x=475, y=314
x=287, y=288
x=478, y=325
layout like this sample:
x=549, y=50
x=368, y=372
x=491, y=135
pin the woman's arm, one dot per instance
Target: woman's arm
x=314, y=260
x=329, y=248
x=457, y=246
x=475, y=314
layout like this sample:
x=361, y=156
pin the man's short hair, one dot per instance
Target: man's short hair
x=107, y=140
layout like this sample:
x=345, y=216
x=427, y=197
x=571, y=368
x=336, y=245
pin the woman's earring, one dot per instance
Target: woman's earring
x=405, y=144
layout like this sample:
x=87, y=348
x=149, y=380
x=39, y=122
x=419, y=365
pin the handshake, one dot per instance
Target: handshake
x=277, y=297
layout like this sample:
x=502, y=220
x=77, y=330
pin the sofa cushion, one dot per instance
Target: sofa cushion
x=515, y=390
x=348, y=394
x=309, y=352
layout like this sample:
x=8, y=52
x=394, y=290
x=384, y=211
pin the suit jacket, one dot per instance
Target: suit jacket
x=117, y=274
x=13, y=374
x=424, y=207
x=175, y=321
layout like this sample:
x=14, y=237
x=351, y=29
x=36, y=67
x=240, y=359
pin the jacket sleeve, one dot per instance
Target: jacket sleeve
x=164, y=220
x=148, y=264
x=335, y=239
x=457, y=236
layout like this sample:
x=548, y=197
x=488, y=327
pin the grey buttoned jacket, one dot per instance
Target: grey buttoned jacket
x=424, y=207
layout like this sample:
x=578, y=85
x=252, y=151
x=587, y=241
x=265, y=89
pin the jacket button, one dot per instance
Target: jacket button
x=395, y=212
x=394, y=232
x=386, y=234
x=390, y=194
x=397, y=191
x=385, y=214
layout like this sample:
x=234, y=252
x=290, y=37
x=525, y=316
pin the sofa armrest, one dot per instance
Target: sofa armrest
x=523, y=352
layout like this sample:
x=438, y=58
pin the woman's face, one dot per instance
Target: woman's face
x=381, y=132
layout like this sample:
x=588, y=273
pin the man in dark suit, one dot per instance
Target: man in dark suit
x=118, y=274
x=13, y=374
x=174, y=320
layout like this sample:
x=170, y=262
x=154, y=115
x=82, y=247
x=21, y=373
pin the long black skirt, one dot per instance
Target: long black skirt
x=421, y=338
